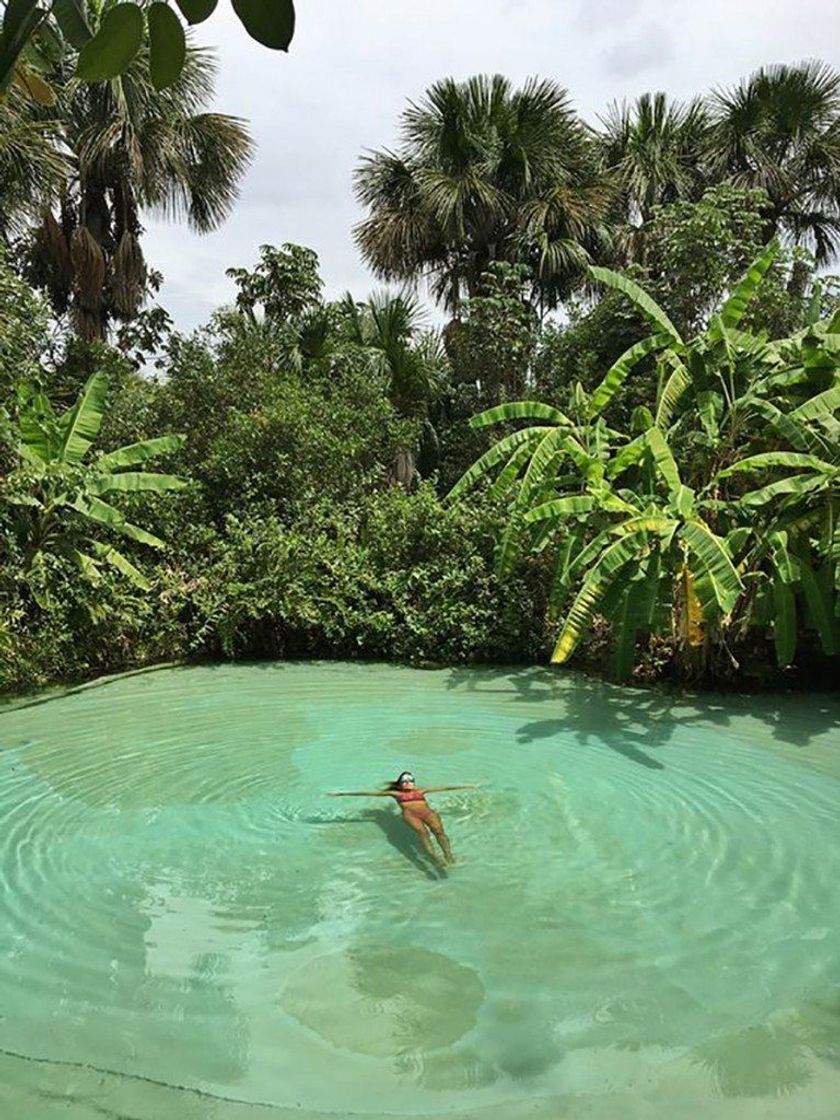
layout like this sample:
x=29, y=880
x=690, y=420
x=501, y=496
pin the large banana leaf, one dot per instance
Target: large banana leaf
x=569, y=548
x=561, y=507
x=136, y=482
x=663, y=458
x=100, y=511
x=612, y=562
x=820, y=606
x=712, y=559
x=618, y=372
x=80, y=425
x=490, y=459
x=36, y=445
x=646, y=523
x=627, y=457
x=634, y=614
x=793, y=459
x=798, y=484
x=733, y=310
x=510, y=472
x=823, y=404
x=673, y=389
x=134, y=453
x=690, y=614
x=520, y=410
x=543, y=460
x=784, y=622
x=709, y=408
x=649, y=308
x=795, y=432
x=109, y=555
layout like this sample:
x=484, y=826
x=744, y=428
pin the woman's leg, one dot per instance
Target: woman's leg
x=421, y=830
x=436, y=825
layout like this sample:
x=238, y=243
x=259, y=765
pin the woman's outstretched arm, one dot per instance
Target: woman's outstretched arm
x=362, y=793
x=440, y=789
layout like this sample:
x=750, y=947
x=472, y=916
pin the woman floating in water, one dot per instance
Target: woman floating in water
x=416, y=812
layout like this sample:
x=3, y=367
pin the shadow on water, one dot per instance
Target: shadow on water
x=547, y=728
x=631, y=721
x=398, y=835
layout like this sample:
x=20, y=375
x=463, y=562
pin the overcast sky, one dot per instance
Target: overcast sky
x=353, y=65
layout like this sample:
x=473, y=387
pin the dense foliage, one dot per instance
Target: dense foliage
x=487, y=173
x=714, y=516
x=276, y=484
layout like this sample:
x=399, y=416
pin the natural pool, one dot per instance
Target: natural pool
x=643, y=922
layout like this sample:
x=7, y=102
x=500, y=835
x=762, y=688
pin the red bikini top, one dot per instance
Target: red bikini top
x=410, y=795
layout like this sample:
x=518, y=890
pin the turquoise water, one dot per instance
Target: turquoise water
x=642, y=923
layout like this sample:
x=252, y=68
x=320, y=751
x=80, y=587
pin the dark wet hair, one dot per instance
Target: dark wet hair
x=398, y=784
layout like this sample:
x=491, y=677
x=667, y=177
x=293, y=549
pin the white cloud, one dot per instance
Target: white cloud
x=352, y=67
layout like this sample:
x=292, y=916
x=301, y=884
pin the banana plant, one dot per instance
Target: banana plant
x=791, y=539
x=64, y=498
x=653, y=562
x=725, y=375
x=630, y=549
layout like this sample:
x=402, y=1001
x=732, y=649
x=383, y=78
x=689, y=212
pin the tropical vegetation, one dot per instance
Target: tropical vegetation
x=642, y=481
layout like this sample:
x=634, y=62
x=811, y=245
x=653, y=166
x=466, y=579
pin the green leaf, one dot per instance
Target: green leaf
x=784, y=622
x=820, y=606
x=560, y=507
x=673, y=390
x=270, y=22
x=508, y=475
x=628, y=456
x=768, y=459
x=520, y=410
x=109, y=555
x=663, y=459
x=709, y=407
x=81, y=424
x=36, y=443
x=167, y=45
x=114, y=45
x=796, y=433
x=649, y=308
x=798, y=484
x=608, y=566
x=786, y=565
x=634, y=614
x=713, y=559
x=823, y=404
x=134, y=453
x=37, y=580
x=87, y=564
x=497, y=453
x=569, y=549
x=733, y=310
x=100, y=511
x=196, y=11
x=71, y=18
x=618, y=372
x=136, y=481
x=21, y=19
x=646, y=523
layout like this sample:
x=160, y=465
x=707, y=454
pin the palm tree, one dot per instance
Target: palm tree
x=654, y=147
x=31, y=165
x=134, y=149
x=390, y=329
x=484, y=172
x=779, y=130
